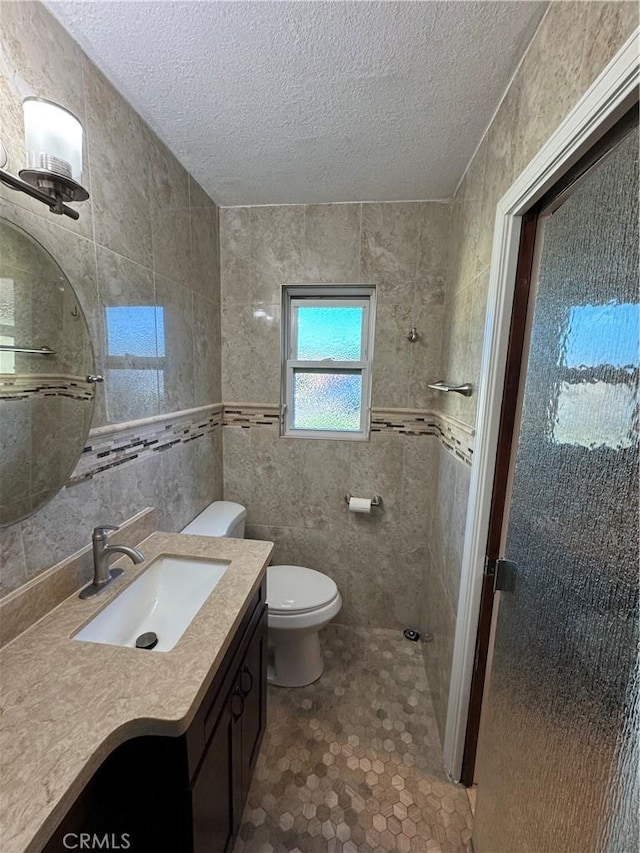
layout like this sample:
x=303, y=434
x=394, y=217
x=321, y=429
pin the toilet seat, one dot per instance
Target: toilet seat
x=297, y=590
x=309, y=620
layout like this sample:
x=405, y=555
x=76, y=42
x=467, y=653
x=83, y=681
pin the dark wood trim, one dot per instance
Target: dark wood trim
x=513, y=373
x=560, y=191
x=508, y=416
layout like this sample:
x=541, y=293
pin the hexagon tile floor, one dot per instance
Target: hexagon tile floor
x=353, y=763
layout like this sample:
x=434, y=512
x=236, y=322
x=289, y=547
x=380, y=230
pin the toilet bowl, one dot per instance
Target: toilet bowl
x=300, y=603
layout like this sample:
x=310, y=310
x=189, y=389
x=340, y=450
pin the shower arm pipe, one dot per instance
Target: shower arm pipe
x=466, y=389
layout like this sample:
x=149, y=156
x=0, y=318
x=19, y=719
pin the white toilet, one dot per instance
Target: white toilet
x=300, y=603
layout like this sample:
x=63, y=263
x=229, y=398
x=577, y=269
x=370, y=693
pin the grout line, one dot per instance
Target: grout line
x=504, y=95
x=418, y=242
x=584, y=46
x=119, y=255
x=23, y=552
x=86, y=134
x=360, y=213
x=304, y=244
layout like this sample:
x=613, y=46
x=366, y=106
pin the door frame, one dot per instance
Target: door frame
x=609, y=97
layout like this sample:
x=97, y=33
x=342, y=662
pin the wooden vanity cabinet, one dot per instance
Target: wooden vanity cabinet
x=233, y=733
x=186, y=794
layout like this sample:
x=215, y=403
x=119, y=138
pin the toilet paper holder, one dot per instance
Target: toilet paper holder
x=376, y=500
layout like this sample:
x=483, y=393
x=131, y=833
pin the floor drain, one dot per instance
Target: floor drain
x=149, y=640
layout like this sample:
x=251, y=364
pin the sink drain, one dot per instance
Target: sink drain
x=149, y=640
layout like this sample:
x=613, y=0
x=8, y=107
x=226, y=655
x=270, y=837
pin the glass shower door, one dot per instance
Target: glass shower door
x=557, y=766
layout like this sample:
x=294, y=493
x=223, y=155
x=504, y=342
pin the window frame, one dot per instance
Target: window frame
x=326, y=296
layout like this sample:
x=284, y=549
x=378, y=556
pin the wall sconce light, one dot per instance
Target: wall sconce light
x=53, y=142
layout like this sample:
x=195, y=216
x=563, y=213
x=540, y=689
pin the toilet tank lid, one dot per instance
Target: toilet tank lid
x=296, y=589
x=217, y=519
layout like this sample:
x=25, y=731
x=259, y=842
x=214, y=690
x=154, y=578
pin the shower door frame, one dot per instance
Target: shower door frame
x=606, y=101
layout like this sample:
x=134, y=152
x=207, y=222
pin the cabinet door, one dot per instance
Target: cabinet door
x=222, y=783
x=215, y=793
x=253, y=683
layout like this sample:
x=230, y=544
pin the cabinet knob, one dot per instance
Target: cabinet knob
x=246, y=677
x=237, y=704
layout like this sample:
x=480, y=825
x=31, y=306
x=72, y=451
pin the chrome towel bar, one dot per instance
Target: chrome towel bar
x=41, y=351
x=466, y=390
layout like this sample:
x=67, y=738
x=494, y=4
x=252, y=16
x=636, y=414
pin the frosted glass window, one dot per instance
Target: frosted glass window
x=7, y=325
x=131, y=330
x=326, y=360
x=327, y=401
x=594, y=414
x=599, y=346
x=329, y=333
x=131, y=394
x=602, y=335
x=160, y=331
x=7, y=302
x=7, y=358
x=134, y=361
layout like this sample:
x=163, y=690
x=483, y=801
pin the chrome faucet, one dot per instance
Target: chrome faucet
x=102, y=574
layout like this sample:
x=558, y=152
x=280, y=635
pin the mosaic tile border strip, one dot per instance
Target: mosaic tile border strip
x=404, y=422
x=247, y=415
x=22, y=386
x=123, y=444
x=118, y=445
x=455, y=436
x=458, y=439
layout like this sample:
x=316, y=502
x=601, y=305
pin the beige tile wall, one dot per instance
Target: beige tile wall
x=573, y=44
x=149, y=232
x=294, y=489
x=148, y=236
x=399, y=246
x=571, y=47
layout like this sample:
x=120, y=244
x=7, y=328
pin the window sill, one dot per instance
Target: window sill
x=325, y=435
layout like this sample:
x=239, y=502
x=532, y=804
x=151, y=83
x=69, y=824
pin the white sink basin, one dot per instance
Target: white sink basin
x=164, y=599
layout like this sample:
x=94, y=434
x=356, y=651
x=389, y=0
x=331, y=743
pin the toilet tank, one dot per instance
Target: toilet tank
x=221, y=518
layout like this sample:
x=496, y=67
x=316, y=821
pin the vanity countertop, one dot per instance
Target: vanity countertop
x=66, y=705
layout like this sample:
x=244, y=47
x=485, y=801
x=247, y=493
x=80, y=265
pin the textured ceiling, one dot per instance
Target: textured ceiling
x=276, y=102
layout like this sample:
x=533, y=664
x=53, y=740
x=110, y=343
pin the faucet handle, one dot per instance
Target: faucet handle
x=100, y=533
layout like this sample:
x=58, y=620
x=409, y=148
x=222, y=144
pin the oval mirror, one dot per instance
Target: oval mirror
x=46, y=402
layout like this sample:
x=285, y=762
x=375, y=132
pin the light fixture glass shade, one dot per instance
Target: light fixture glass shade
x=53, y=139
